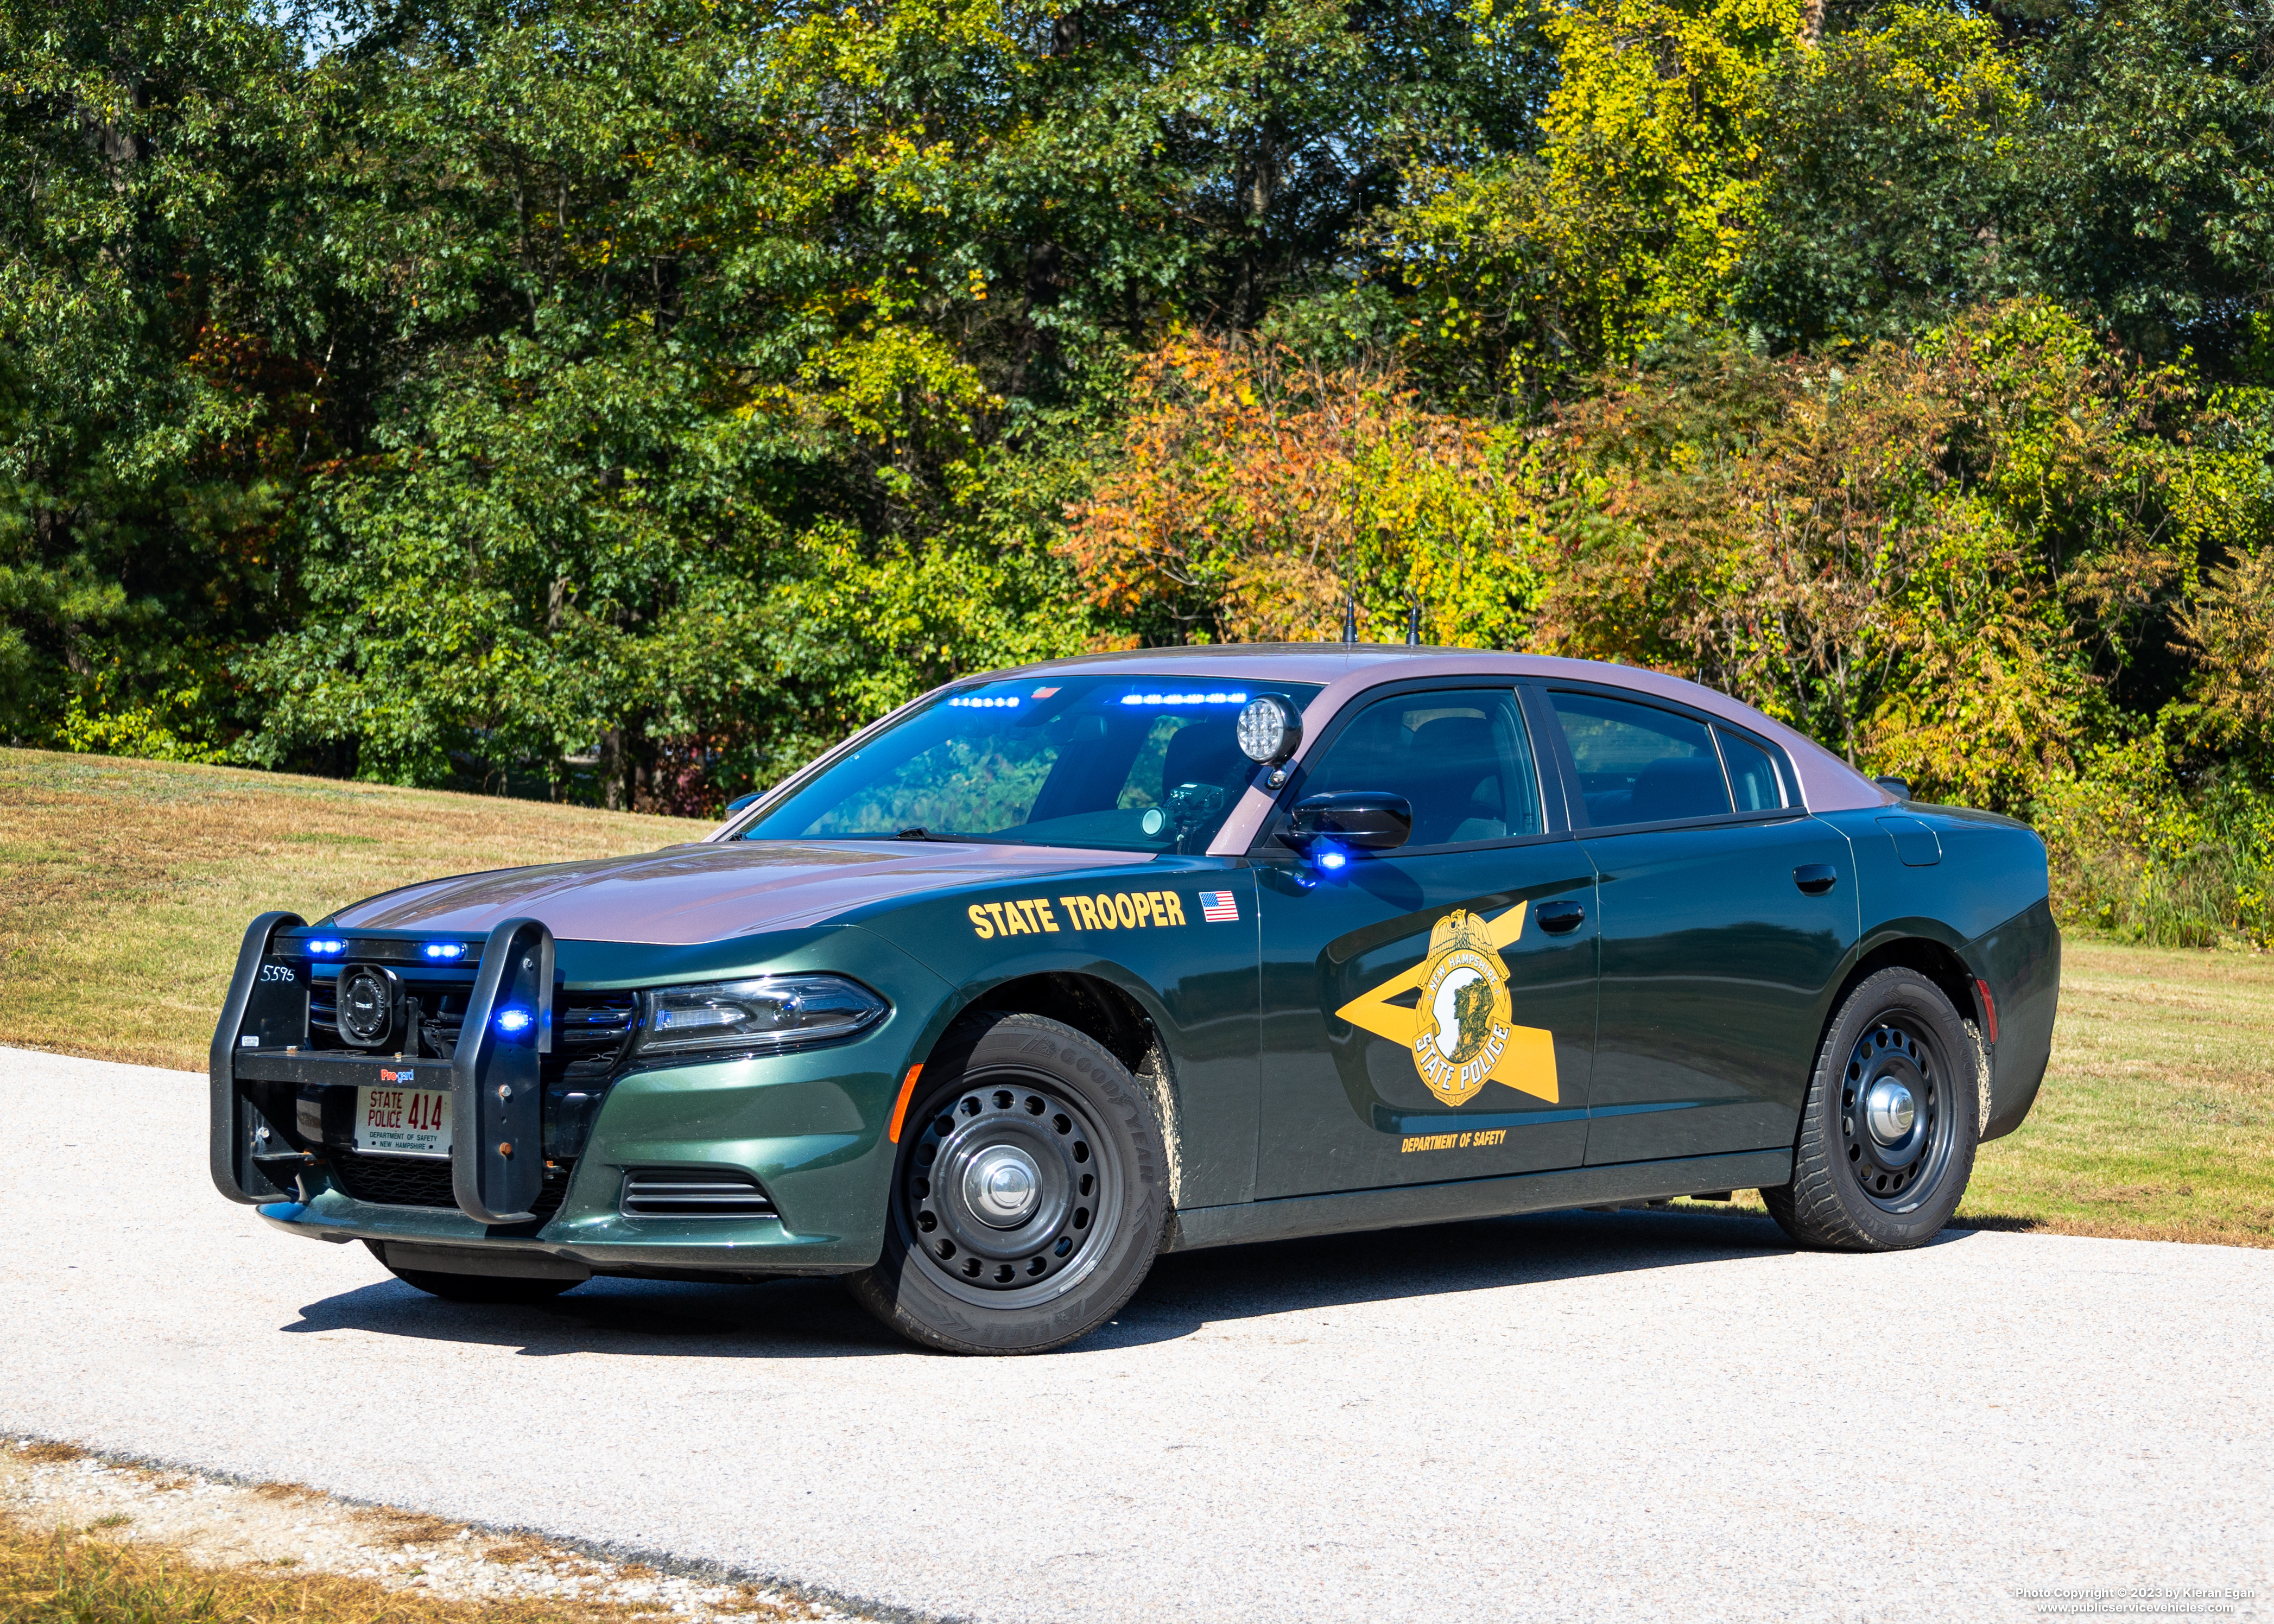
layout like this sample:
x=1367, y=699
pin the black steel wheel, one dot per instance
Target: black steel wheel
x=1029, y=1195
x=1887, y=1135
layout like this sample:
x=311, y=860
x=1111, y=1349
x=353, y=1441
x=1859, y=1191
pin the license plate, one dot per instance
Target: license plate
x=403, y=1122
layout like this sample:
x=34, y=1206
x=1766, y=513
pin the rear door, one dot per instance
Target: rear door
x=1726, y=911
x=1427, y=1013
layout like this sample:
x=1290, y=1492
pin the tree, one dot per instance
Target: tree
x=1253, y=497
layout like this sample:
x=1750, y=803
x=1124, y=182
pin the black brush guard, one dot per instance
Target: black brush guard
x=497, y=1128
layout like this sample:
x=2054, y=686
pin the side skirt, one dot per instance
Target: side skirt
x=1289, y=1217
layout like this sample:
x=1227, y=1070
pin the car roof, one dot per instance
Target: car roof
x=1344, y=670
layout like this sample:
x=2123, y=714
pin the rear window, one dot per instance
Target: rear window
x=1638, y=764
x=1753, y=776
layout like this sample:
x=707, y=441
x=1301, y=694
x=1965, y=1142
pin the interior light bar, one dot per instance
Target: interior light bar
x=984, y=701
x=1184, y=699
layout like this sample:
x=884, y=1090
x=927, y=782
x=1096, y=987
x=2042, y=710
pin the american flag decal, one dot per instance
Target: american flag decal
x=1219, y=907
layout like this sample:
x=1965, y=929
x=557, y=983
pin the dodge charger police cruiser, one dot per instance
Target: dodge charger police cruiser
x=1059, y=968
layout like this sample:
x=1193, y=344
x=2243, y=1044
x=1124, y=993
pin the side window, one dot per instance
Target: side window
x=1638, y=764
x=1461, y=756
x=1752, y=775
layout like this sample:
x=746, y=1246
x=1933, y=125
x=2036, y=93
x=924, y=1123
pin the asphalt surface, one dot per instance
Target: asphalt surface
x=1630, y=1417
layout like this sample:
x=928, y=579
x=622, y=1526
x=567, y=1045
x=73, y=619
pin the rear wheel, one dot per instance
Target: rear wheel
x=1030, y=1197
x=1886, y=1139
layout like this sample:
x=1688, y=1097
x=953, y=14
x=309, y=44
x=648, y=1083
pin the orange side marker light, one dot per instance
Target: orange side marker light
x=900, y=1110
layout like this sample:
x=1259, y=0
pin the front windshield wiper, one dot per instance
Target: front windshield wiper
x=916, y=833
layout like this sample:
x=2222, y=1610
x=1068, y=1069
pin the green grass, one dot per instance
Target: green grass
x=2158, y=1115
x=124, y=886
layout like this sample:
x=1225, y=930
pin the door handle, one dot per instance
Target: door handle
x=1558, y=917
x=1816, y=878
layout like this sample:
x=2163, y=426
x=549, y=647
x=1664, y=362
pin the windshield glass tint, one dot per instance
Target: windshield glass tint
x=1141, y=763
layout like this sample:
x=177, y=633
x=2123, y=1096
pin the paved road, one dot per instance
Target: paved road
x=1637, y=1416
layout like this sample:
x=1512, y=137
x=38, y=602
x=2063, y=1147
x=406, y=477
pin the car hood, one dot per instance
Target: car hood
x=683, y=895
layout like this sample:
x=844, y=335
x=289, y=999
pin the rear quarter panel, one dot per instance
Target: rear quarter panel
x=1986, y=901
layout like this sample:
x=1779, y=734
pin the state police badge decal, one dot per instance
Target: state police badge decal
x=1462, y=1024
x=1462, y=1031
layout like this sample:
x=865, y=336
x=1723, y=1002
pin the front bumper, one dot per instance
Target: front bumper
x=809, y=1127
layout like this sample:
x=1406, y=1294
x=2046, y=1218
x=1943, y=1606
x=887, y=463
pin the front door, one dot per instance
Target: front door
x=1429, y=1013
x=1716, y=964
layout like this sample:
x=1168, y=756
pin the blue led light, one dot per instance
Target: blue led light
x=327, y=944
x=446, y=949
x=514, y=1020
x=1331, y=859
x=979, y=702
x=1218, y=698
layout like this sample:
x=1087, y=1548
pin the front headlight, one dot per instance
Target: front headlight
x=766, y=1012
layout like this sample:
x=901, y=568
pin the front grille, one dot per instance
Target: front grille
x=589, y=1028
x=692, y=1192
x=423, y=1181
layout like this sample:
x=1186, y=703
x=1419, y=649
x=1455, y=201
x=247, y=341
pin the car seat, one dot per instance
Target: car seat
x=1677, y=787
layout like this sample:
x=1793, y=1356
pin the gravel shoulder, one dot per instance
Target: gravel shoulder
x=1639, y=1416
x=216, y=1522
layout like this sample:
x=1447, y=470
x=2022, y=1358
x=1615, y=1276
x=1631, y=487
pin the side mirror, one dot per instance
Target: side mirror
x=1900, y=788
x=1363, y=820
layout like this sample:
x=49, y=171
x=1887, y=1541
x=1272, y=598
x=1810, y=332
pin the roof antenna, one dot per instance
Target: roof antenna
x=1413, y=625
x=1350, y=620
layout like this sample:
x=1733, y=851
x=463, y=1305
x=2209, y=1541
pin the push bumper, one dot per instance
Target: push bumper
x=809, y=1127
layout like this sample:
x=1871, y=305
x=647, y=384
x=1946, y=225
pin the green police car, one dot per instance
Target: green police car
x=1059, y=968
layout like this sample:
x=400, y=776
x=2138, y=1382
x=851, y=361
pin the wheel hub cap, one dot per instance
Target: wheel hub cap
x=1002, y=1185
x=1895, y=1114
x=1008, y=1193
x=1889, y=1110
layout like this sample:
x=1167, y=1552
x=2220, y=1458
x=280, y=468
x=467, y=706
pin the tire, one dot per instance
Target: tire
x=1029, y=1196
x=1859, y=1183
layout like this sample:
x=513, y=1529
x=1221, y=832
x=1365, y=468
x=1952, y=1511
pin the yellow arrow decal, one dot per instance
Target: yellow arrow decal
x=1527, y=1060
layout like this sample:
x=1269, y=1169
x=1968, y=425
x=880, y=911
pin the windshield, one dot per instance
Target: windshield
x=1135, y=763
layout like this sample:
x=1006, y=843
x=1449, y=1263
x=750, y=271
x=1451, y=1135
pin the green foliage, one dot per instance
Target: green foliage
x=1252, y=498
x=1890, y=551
x=620, y=401
x=1894, y=154
x=2136, y=853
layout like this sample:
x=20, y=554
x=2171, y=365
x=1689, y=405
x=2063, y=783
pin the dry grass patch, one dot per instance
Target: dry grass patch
x=50, y=1455
x=411, y=1528
x=125, y=885
x=516, y=1548
x=68, y=1576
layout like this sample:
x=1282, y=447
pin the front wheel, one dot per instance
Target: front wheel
x=1030, y=1197
x=1886, y=1139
